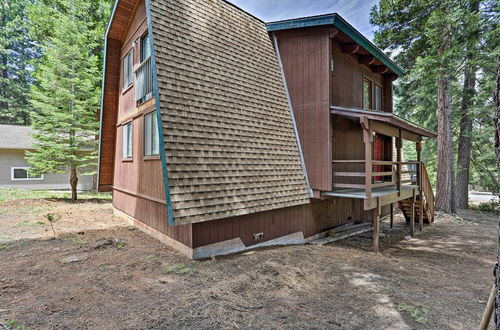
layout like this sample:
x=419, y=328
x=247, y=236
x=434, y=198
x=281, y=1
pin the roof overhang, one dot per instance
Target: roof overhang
x=337, y=21
x=384, y=117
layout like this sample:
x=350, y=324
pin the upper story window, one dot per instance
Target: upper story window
x=145, y=48
x=151, y=136
x=144, y=73
x=367, y=94
x=378, y=97
x=127, y=140
x=128, y=62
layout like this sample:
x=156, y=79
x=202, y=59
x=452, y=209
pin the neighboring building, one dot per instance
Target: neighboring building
x=221, y=133
x=14, y=168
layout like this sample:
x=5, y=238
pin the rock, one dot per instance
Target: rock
x=74, y=258
x=407, y=237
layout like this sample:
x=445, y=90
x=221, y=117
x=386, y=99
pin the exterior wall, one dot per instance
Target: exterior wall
x=304, y=54
x=311, y=219
x=15, y=158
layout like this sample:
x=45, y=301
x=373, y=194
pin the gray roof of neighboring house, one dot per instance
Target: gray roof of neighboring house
x=16, y=137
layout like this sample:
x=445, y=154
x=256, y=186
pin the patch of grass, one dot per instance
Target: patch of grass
x=152, y=256
x=3, y=247
x=492, y=206
x=11, y=194
x=78, y=241
x=30, y=224
x=15, y=325
x=178, y=269
x=419, y=314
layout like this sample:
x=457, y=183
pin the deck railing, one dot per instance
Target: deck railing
x=427, y=193
x=144, y=77
x=400, y=173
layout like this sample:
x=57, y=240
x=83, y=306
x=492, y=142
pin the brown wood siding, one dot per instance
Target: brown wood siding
x=347, y=79
x=110, y=106
x=304, y=54
x=311, y=219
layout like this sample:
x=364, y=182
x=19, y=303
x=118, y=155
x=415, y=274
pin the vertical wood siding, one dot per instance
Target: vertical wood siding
x=304, y=54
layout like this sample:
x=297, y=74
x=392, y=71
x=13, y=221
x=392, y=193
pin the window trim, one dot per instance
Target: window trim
x=141, y=48
x=375, y=96
x=128, y=159
x=12, y=178
x=128, y=86
x=152, y=156
x=365, y=78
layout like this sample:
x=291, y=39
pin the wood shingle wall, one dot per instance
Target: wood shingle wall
x=229, y=139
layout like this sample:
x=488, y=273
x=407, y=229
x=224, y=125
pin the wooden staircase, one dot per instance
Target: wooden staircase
x=426, y=196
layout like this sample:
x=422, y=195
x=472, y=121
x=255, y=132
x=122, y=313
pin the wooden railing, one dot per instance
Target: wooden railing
x=144, y=78
x=396, y=175
x=428, y=198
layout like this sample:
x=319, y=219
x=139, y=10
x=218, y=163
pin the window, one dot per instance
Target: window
x=145, y=48
x=22, y=173
x=378, y=97
x=367, y=94
x=151, y=142
x=128, y=62
x=127, y=140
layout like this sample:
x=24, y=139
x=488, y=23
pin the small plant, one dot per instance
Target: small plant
x=77, y=241
x=492, y=206
x=152, y=256
x=3, y=247
x=178, y=269
x=419, y=314
x=51, y=218
x=15, y=325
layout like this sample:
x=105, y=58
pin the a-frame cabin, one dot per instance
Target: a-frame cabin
x=221, y=133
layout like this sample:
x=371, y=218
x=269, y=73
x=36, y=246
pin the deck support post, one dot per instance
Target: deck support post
x=376, y=226
x=420, y=192
x=392, y=214
x=412, y=215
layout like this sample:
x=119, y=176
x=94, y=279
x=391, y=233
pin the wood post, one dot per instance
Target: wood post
x=392, y=215
x=376, y=226
x=412, y=215
x=420, y=191
x=485, y=321
x=368, y=139
x=399, y=143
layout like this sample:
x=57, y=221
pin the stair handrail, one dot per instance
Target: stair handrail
x=428, y=193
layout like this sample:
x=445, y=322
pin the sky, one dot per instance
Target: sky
x=356, y=12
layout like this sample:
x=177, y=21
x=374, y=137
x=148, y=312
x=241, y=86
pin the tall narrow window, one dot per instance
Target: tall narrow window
x=367, y=94
x=127, y=69
x=127, y=140
x=151, y=136
x=378, y=98
x=145, y=48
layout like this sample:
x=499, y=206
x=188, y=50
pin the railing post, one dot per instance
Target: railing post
x=420, y=183
x=399, y=143
x=368, y=139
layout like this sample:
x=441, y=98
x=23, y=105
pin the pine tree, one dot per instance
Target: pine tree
x=16, y=51
x=66, y=97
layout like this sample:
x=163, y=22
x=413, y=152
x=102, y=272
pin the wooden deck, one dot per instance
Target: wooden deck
x=376, y=192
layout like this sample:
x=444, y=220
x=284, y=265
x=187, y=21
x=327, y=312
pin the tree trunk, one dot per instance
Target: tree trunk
x=444, y=184
x=497, y=118
x=73, y=182
x=465, y=140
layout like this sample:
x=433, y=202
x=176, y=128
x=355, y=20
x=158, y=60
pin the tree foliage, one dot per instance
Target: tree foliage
x=413, y=32
x=17, y=50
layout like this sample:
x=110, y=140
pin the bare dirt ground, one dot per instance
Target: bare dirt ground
x=104, y=275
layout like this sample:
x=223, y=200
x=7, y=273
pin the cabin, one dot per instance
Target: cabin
x=221, y=133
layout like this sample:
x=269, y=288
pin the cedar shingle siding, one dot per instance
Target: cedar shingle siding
x=229, y=139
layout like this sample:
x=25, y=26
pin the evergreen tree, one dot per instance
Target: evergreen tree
x=66, y=94
x=16, y=52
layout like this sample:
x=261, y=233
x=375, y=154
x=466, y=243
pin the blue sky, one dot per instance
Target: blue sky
x=356, y=12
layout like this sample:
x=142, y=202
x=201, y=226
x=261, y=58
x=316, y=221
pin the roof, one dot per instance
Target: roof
x=336, y=20
x=229, y=143
x=16, y=137
x=386, y=117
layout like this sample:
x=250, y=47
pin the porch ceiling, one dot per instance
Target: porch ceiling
x=383, y=117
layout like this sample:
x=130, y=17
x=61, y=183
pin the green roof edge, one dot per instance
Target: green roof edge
x=337, y=21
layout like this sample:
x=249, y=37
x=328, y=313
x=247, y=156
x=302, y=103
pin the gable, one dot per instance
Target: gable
x=229, y=141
